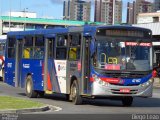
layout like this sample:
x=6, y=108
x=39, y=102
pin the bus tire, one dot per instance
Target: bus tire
x=74, y=95
x=29, y=88
x=127, y=101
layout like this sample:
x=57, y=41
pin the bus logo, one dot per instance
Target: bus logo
x=26, y=65
x=9, y=65
x=136, y=80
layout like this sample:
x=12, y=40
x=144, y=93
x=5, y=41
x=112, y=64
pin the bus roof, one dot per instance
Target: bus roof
x=122, y=27
x=86, y=28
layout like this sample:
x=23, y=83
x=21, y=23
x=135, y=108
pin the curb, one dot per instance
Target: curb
x=27, y=110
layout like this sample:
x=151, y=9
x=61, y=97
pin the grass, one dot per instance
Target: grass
x=7, y=102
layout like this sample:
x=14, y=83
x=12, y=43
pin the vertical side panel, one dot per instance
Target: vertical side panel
x=61, y=66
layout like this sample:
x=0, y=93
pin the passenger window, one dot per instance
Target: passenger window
x=28, y=47
x=39, y=41
x=75, y=40
x=62, y=40
x=28, y=42
x=11, y=47
x=39, y=53
x=61, y=53
x=74, y=53
x=39, y=47
x=61, y=48
x=74, y=49
x=11, y=52
x=28, y=52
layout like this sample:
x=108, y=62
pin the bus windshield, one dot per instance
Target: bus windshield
x=122, y=55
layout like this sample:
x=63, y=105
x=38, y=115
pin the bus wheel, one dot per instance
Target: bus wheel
x=75, y=97
x=127, y=101
x=29, y=88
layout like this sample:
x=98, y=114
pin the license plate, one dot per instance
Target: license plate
x=125, y=90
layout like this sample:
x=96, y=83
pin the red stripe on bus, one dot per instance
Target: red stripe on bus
x=109, y=80
x=49, y=86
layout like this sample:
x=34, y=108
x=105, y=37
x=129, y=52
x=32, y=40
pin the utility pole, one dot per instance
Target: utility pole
x=10, y=15
x=25, y=10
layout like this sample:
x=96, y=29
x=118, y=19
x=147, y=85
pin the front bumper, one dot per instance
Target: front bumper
x=114, y=90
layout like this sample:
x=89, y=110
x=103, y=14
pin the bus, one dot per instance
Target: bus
x=112, y=62
x=2, y=55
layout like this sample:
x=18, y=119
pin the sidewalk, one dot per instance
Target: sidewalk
x=156, y=83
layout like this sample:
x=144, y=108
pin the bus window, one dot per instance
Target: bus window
x=61, y=49
x=62, y=40
x=61, y=53
x=28, y=47
x=74, y=53
x=74, y=50
x=11, y=47
x=28, y=53
x=11, y=52
x=75, y=40
x=39, y=41
x=28, y=41
x=39, y=47
x=39, y=53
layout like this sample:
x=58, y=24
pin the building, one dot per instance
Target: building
x=23, y=14
x=148, y=17
x=130, y=12
x=8, y=23
x=157, y=5
x=77, y=10
x=138, y=6
x=104, y=11
x=156, y=38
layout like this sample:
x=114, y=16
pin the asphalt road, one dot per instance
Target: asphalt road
x=105, y=106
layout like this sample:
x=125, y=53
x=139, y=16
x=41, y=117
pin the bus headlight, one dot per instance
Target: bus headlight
x=99, y=81
x=147, y=83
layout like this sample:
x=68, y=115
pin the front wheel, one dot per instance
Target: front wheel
x=75, y=97
x=29, y=88
x=127, y=101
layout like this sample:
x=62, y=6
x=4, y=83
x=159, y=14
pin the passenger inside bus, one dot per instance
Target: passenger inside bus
x=27, y=53
x=73, y=53
x=39, y=53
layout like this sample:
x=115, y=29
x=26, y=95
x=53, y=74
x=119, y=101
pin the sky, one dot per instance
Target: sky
x=46, y=8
